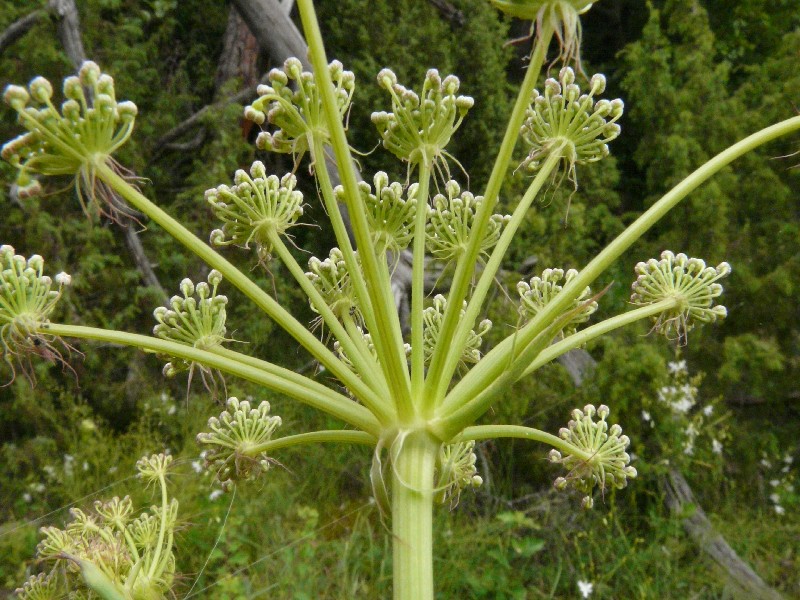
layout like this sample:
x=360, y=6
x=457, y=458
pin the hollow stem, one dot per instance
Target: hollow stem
x=413, y=464
x=465, y=267
x=265, y=302
x=338, y=436
x=486, y=280
x=386, y=334
x=499, y=359
x=418, y=285
x=228, y=361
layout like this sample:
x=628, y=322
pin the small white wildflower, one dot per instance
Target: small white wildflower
x=68, y=458
x=682, y=406
x=164, y=397
x=789, y=488
x=27, y=497
x=708, y=410
x=788, y=459
x=716, y=446
x=50, y=471
x=676, y=366
x=37, y=487
x=85, y=466
x=585, y=588
x=779, y=509
x=172, y=409
x=646, y=415
x=765, y=463
x=775, y=482
x=112, y=470
x=215, y=494
x=776, y=499
x=197, y=466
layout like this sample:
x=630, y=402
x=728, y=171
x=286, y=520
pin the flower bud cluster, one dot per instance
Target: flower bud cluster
x=566, y=121
x=134, y=555
x=450, y=224
x=197, y=319
x=390, y=211
x=456, y=471
x=538, y=293
x=255, y=208
x=597, y=456
x=432, y=318
x=88, y=127
x=687, y=280
x=27, y=298
x=234, y=439
x=297, y=114
x=420, y=126
x=332, y=280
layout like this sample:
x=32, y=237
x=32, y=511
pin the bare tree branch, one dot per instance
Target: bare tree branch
x=679, y=499
x=449, y=12
x=20, y=27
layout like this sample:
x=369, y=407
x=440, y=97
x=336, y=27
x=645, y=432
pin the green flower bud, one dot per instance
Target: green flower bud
x=390, y=212
x=450, y=224
x=456, y=471
x=432, y=318
x=687, y=280
x=332, y=280
x=561, y=16
x=40, y=587
x=197, y=319
x=27, y=299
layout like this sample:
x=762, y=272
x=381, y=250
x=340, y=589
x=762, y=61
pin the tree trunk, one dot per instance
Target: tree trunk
x=678, y=497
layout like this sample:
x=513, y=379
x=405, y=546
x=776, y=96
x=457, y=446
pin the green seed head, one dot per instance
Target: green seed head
x=687, y=280
x=232, y=445
x=255, y=208
x=538, y=293
x=71, y=141
x=297, y=115
x=572, y=123
x=597, y=457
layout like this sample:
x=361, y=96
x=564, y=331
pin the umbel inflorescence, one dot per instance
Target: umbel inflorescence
x=72, y=141
x=111, y=552
x=416, y=394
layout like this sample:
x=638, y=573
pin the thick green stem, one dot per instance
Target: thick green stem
x=490, y=270
x=413, y=464
x=337, y=436
x=387, y=335
x=418, y=285
x=580, y=338
x=251, y=369
x=488, y=432
x=365, y=364
x=466, y=264
x=492, y=366
x=266, y=303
